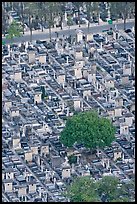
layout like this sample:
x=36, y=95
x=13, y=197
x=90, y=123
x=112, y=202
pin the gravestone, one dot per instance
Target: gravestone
x=79, y=36
x=31, y=57
x=56, y=161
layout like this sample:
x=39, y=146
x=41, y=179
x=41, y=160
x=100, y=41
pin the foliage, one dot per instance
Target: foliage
x=14, y=30
x=95, y=8
x=4, y=22
x=48, y=11
x=114, y=189
x=123, y=9
x=114, y=10
x=89, y=9
x=120, y=200
x=72, y=159
x=78, y=5
x=84, y=189
x=108, y=186
x=92, y=9
x=69, y=21
x=89, y=129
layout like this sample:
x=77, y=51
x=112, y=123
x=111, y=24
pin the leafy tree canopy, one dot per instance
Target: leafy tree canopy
x=69, y=21
x=14, y=30
x=72, y=159
x=83, y=189
x=109, y=188
x=89, y=129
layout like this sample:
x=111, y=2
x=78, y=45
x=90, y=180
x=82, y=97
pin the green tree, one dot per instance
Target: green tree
x=14, y=30
x=96, y=10
x=30, y=11
x=4, y=24
x=61, y=10
x=72, y=159
x=52, y=12
x=114, y=10
x=89, y=9
x=78, y=5
x=69, y=21
x=121, y=200
x=36, y=13
x=123, y=9
x=89, y=129
x=127, y=190
x=114, y=189
x=108, y=186
x=92, y=9
x=19, y=8
x=22, y=14
x=40, y=11
x=83, y=189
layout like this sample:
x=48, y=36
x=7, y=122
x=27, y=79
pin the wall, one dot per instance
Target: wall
x=28, y=156
x=66, y=173
x=78, y=73
x=77, y=104
x=61, y=79
x=37, y=98
x=18, y=76
x=14, y=113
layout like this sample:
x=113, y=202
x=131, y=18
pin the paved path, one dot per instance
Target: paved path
x=5, y=196
x=38, y=35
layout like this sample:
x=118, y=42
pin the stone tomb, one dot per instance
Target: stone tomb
x=79, y=35
x=31, y=55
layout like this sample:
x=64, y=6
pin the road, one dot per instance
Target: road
x=38, y=35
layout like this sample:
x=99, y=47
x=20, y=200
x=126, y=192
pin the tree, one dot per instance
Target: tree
x=114, y=10
x=89, y=9
x=52, y=12
x=3, y=18
x=114, y=189
x=92, y=11
x=123, y=9
x=19, y=8
x=14, y=30
x=108, y=189
x=22, y=14
x=78, y=5
x=31, y=11
x=61, y=12
x=89, y=129
x=41, y=13
x=83, y=189
x=96, y=10
x=72, y=159
x=69, y=21
x=120, y=200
